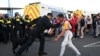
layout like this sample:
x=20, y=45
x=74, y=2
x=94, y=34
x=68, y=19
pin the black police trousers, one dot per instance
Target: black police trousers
x=17, y=33
x=2, y=36
x=29, y=42
x=9, y=33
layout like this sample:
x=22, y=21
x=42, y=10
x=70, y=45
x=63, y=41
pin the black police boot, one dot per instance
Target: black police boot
x=5, y=42
x=42, y=53
x=95, y=36
x=17, y=55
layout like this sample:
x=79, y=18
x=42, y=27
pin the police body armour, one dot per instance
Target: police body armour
x=1, y=21
x=8, y=21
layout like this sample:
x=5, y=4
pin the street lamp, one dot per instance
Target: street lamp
x=8, y=3
x=10, y=11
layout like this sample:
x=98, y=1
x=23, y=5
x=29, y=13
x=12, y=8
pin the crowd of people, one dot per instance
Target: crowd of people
x=85, y=24
x=70, y=27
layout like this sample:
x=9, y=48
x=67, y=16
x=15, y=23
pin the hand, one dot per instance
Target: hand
x=51, y=32
x=26, y=27
x=45, y=31
x=56, y=39
x=9, y=25
x=13, y=27
x=31, y=28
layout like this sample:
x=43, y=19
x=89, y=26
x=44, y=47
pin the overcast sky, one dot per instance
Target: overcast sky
x=92, y=5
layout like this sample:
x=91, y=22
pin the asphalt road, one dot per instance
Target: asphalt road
x=88, y=46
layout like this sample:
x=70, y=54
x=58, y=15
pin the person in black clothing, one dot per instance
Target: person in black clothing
x=82, y=26
x=17, y=26
x=94, y=25
x=8, y=23
x=25, y=26
x=42, y=24
x=2, y=32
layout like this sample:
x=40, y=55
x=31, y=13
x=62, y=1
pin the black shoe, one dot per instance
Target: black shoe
x=5, y=42
x=17, y=55
x=14, y=52
x=95, y=36
x=42, y=53
x=78, y=36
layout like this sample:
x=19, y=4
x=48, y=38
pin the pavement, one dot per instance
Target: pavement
x=89, y=46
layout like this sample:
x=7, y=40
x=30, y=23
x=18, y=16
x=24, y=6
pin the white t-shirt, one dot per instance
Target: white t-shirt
x=89, y=21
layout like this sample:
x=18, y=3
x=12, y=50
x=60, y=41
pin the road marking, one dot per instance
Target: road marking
x=95, y=44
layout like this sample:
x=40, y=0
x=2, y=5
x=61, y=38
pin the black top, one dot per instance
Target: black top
x=82, y=22
x=42, y=24
x=17, y=23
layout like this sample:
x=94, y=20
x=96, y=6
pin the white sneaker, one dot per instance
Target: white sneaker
x=78, y=55
x=81, y=37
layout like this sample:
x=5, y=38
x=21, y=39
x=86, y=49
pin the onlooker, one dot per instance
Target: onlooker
x=97, y=26
x=88, y=23
x=94, y=24
x=75, y=23
x=81, y=26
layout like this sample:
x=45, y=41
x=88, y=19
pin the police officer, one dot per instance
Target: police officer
x=17, y=25
x=42, y=24
x=9, y=27
x=25, y=27
x=3, y=29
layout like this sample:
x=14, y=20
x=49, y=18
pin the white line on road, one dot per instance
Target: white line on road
x=92, y=44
